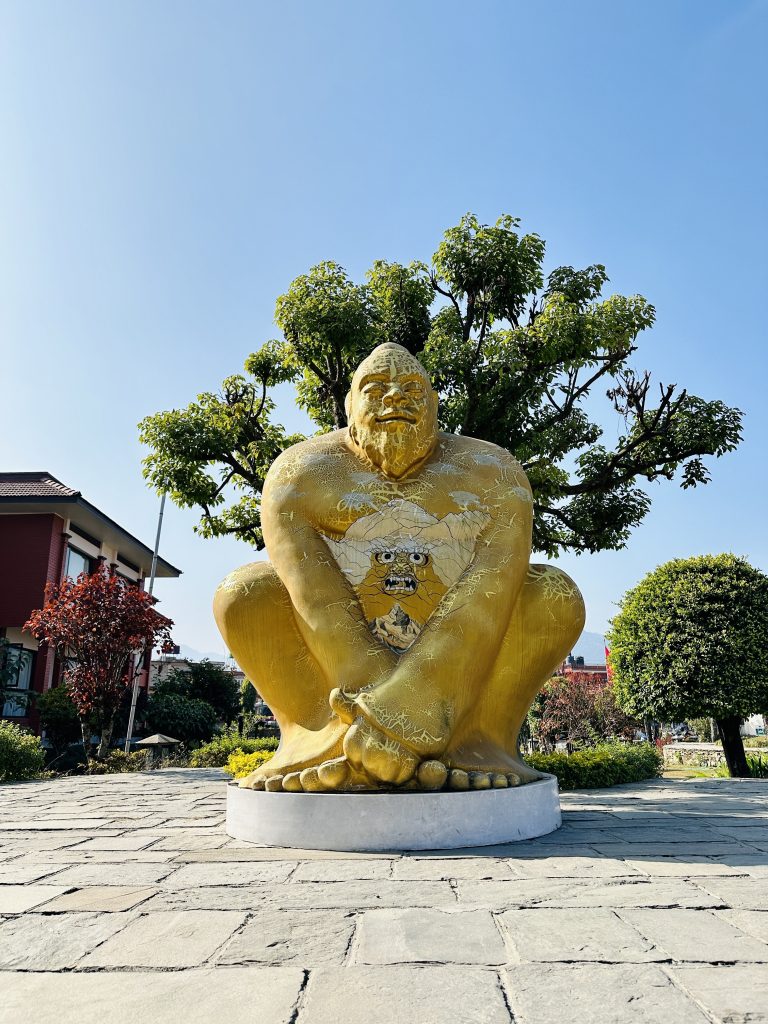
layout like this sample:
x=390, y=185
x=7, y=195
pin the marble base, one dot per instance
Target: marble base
x=368, y=822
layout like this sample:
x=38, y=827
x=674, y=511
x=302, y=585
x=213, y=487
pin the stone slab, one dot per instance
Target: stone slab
x=428, y=936
x=35, y=942
x=738, y=893
x=167, y=939
x=598, y=994
x=237, y=995
x=393, y=821
x=548, y=935
x=381, y=995
x=193, y=875
x=121, y=873
x=734, y=995
x=306, y=939
x=103, y=898
x=16, y=899
x=693, y=935
x=562, y=892
x=351, y=895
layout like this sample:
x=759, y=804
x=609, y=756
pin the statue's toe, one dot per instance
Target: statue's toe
x=292, y=782
x=310, y=781
x=499, y=781
x=274, y=784
x=251, y=781
x=479, y=780
x=431, y=775
x=333, y=774
x=458, y=779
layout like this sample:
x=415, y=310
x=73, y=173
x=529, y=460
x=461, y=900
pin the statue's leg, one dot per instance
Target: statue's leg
x=547, y=620
x=254, y=614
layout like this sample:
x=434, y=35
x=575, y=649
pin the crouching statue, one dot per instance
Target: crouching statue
x=399, y=633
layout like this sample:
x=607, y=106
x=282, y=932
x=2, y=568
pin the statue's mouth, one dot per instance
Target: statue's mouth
x=400, y=585
x=396, y=418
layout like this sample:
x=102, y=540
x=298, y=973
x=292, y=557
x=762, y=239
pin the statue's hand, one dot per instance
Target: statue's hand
x=369, y=749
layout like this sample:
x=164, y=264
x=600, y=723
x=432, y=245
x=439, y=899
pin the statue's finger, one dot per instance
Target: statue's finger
x=343, y=705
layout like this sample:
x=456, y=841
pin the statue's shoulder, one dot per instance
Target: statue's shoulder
x=310, y=458
x=475, y=454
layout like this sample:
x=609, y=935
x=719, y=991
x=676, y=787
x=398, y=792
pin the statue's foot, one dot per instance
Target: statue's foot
x=461, y=780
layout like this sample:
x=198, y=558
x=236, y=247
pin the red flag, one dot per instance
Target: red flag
x=608, y=669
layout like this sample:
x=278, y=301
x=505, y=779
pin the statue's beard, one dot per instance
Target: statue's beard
x=394, y=448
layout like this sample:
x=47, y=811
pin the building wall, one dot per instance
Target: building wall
x=30, y=556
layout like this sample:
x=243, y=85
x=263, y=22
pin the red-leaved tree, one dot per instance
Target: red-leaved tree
x=579, y=708
x=101, y=626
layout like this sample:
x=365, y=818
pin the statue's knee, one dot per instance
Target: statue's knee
x=553, y=593
x=252, y=591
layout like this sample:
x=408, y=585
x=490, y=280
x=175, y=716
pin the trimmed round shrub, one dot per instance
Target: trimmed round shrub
x=216, y=753
x=239, y=764
x=21, y=754
x=181, y=718
x=609, y=764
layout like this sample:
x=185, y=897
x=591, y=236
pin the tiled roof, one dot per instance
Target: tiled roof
x=34, y=485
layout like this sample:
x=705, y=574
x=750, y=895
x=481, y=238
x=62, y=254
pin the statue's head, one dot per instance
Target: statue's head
x=392, y=410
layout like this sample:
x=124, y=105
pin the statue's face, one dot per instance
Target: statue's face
x=393, y=410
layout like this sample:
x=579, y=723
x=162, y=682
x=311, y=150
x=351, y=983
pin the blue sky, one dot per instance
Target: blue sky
x=168, y=169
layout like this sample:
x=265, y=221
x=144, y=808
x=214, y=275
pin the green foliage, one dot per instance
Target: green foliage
x=117, y=762
x=207, y=682
x=216, y=753
x=239, y=764
x=59, y=718
x=181, y=718
x=597, y=767
x=247, y=696
x=515, y=359
x=689, y=641
x=21, y=754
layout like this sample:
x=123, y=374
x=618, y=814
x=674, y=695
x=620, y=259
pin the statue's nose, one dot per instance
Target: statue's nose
x=394, y=396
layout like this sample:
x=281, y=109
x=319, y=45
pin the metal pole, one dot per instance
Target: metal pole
x=152, y=573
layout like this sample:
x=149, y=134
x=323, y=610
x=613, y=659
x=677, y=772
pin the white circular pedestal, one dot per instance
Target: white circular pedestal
x=369, y=822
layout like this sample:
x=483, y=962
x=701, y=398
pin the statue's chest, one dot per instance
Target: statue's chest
x=402, y=555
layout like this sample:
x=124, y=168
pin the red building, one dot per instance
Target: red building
x=48, y=531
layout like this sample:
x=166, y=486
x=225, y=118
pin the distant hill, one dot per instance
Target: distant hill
x=591, y=647
x=193, y=655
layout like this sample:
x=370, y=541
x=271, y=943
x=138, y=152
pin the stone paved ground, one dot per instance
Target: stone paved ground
x=122, y=899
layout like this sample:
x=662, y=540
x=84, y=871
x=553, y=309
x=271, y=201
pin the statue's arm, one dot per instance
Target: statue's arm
x=327, y=611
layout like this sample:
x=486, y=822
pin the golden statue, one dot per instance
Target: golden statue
x=399, y=633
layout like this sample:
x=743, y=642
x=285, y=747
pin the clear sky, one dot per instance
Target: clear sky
x=168, y=168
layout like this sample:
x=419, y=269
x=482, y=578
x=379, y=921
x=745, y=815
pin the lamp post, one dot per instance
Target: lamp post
x=152, y=574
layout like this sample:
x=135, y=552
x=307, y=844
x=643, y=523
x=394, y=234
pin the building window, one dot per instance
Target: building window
x=77, y=562
x=16, y=668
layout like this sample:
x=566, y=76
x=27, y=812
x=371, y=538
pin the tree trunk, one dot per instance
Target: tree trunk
x=733, y=747
x=86, y=731
x=105, y=739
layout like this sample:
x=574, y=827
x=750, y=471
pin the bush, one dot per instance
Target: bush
x=59, y=718
x=216, y=753
x=596, y=767
x=21, y=754
x=207, y=682
x=117, y=762
x=181, y=718
x=240, y=764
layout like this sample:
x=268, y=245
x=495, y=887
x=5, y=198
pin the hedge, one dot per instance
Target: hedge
x=239, y=764
x=596, y=767
x=21, y=754
x=216, y=753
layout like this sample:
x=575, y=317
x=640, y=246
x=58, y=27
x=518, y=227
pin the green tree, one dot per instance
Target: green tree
x=517, y=359
x=207, y=682
x=59, y=718
x=689, y=641
x=181, y=718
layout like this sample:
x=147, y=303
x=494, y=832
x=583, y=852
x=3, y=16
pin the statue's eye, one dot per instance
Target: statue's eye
x=386, y=557
x=374, y=389
x=419, y=558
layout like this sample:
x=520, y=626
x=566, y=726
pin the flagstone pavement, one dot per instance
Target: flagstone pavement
x=122, y=899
